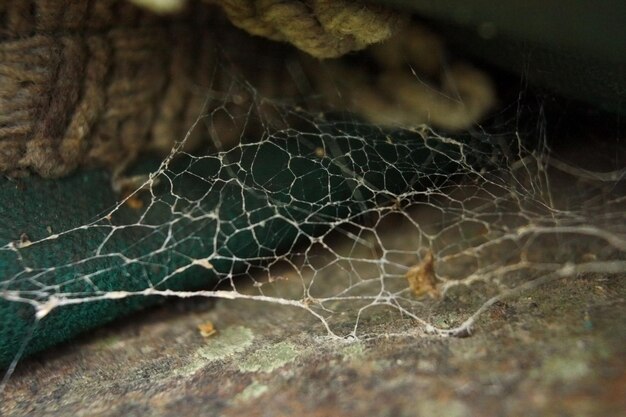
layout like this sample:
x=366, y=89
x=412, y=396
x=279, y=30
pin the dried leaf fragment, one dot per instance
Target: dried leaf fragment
x=203, y=263
x=422, y=279
x=24, y=241
x=134, y=202
x=207, y=329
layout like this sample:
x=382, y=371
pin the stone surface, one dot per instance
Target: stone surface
x=557, y=350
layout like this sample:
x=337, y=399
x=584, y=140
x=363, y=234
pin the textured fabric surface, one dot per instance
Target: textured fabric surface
x=322, y=28
x=250, y=225
x=33, y=208
x=93, y=82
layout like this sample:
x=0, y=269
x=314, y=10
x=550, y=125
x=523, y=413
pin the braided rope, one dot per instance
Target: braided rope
x=322, y=28
x=95, y=82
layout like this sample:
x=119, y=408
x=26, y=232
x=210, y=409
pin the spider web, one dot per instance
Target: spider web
x=325, y=212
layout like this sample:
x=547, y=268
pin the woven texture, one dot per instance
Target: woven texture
x=93, y=82
x=322, y=28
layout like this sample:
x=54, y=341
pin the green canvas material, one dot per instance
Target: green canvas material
x=294, y=181
x=27, y=208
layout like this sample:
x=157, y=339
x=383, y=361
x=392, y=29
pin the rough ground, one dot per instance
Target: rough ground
x=559, y=350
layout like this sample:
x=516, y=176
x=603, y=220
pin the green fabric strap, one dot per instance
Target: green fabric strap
x=249, y=192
